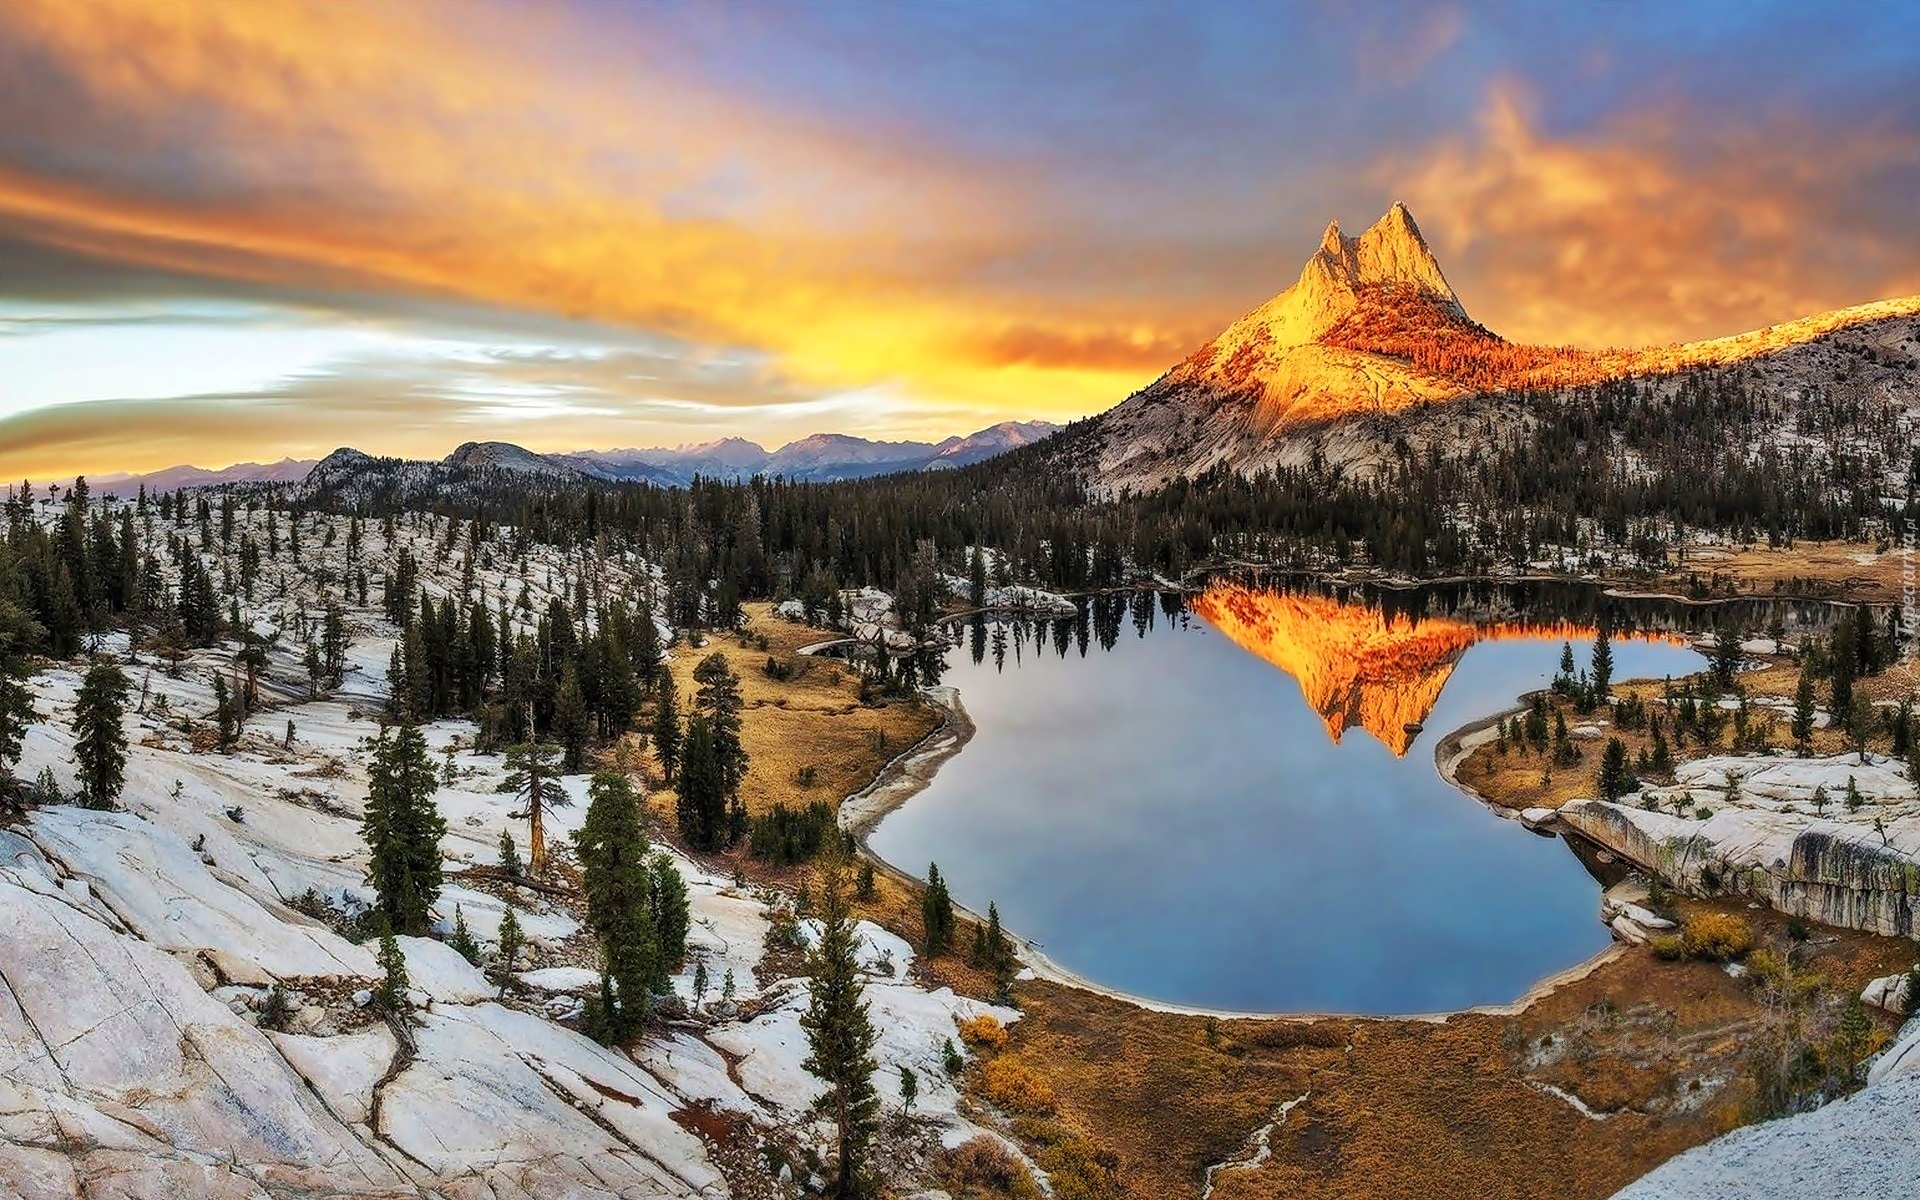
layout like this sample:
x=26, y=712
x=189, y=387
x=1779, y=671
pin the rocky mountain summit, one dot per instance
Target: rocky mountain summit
x=1371, y=344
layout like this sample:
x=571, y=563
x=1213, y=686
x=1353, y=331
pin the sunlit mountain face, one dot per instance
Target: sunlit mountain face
x=1359, y=665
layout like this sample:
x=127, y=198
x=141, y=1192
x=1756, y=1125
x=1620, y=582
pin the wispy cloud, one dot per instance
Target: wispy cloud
x=1654, y=228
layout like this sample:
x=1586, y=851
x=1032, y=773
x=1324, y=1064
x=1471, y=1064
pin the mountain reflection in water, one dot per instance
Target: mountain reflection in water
x=1153, y=803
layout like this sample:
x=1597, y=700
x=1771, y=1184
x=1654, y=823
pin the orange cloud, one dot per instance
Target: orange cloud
x=356, y=145
x=1634, y=235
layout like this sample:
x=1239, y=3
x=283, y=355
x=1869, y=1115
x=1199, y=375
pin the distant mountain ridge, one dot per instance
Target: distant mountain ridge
x=820, y=457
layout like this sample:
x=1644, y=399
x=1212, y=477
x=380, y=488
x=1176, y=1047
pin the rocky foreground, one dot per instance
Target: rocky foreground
x=1862, y=1147
x=144, y=1053
x=1781, y=830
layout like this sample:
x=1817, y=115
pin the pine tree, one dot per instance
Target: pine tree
x=403, y=827
x=571, y=723
x=1859, y=716
x=840, y=1034
x=936, y=913
x=533, y=776
x=666, y=726
x=511, y=939
x=1615, y=779
x=1726, y=657
x=391, y=994
x=719, y=698
x=618, y=882
x=700, y=802
x=18, y=632
x=1602, y=681
x=100, y=744
x=1662, y=759
x=999, y=954
x=461, y=939
x=510, y=864
x=672, y=912
x=226, y=716
x=1803, y=716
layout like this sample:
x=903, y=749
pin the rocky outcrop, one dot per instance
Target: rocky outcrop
x=1748, y=826
x=1862, y=1147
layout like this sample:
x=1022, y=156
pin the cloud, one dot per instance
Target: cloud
x=419, y=396
x=363, y=149
x=1653, y=227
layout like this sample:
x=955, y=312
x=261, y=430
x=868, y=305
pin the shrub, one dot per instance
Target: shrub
x=1015, y=1086
x=1721, y=937
x=1080, y=1170
x=276, y=1011
x=983, y=1163
x=1668, y=946
x=787, y=837
x=984, y=1032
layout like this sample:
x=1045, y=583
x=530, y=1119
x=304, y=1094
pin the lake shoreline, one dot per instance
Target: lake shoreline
x=913, y=769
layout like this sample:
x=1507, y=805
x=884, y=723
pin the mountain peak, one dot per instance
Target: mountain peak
x=1331, y=243
x=1393, y=251
x=1391, y=255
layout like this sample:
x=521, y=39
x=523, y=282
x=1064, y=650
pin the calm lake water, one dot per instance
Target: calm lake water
x=1163, y=811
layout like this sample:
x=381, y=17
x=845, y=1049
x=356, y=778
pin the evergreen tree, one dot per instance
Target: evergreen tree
x=510, y=864
x=1615, y=778
x=511, y=939
x=571, y=723
x=936, y=913
x=1859, y=717
x=1602, y=681
x=1662, y=758
x=1803, y=716
x=840, y=1035
x=100, y=744
x=719, y=698
x=618, y=883
x=533, y=776
x=666, y=726
x=390, y=996
x=226, y=715
x=1726, y=657
x=461, y=939
x=403, y=827
x=700, y=802
x=18, y=633
x=672, y=912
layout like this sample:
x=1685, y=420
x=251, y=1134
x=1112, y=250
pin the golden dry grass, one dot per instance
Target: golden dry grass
x=1850, y=571
x=813, y=719
x=1404, y=1108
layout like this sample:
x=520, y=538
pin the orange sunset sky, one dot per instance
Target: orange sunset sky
x=249, y=231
